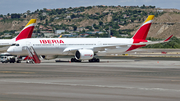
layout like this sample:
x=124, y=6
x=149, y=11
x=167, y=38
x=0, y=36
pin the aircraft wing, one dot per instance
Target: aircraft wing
x=70, y=49
x=73, y=50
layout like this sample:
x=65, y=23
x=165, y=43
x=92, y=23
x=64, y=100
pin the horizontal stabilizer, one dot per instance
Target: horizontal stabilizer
x=153, y=42
x=168, y=38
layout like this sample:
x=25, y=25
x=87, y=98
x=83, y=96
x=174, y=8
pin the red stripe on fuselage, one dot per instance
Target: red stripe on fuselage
x=26, y=33
x=136, y=46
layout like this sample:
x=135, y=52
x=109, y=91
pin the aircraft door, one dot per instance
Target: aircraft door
x=54, y=45
x=99, y=43
x=28, y=44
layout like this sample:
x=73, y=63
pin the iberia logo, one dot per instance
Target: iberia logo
x=88, y=55
x=51, y=41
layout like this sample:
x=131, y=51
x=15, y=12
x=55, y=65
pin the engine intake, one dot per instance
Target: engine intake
x=84, y=54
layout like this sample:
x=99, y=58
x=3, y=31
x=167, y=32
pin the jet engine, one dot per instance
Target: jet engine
x=84, y=54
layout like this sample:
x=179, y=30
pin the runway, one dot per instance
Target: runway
x=110, y=80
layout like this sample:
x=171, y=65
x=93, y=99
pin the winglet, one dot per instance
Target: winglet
x=168, y=38
x=27, y=30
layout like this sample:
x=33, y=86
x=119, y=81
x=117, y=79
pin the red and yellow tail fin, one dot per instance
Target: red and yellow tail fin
x=144, y=29
x=27, y=30
x=60, y=36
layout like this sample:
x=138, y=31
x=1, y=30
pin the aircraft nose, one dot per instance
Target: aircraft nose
x=10, y=50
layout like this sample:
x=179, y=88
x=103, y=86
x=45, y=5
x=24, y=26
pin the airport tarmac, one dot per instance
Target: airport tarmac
x=117, y=79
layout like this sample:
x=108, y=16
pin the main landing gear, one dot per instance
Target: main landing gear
x=91, y=60
x=94, y=60
x=75, y=60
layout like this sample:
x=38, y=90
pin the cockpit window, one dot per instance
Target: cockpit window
x=13, y=44
x=17, y=44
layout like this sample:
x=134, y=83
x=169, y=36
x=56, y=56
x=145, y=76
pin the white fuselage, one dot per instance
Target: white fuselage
x=6, y=42
x=58, y=46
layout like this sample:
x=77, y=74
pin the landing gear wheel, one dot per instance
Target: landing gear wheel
x=97, y=60
x=18, y=61
x=75, y=60
x=94, y=60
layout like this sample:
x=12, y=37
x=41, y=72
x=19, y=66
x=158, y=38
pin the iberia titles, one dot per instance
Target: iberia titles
x=51, y=41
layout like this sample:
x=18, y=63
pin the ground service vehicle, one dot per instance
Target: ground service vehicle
x=6, y=59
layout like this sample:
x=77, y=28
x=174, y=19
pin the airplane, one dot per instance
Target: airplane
x=85, y=48
x=26, y=32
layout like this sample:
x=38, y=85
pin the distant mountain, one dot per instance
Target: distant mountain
x=126, y=19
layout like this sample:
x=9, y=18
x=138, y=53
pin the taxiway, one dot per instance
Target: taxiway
x=110, y=80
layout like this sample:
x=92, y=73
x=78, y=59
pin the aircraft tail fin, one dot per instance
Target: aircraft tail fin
x=26, y=31
x=144, y=29
x=60, y=36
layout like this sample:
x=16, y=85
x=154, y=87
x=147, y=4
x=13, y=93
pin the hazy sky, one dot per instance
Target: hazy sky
x=21, y=6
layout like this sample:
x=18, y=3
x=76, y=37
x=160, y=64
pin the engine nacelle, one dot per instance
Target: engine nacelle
x=84, y=54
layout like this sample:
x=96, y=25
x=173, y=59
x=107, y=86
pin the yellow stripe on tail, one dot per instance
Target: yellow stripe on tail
x=31, y=22
x=150, y=17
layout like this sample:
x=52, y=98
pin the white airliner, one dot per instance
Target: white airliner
x=85, y=48
x=25, y=33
